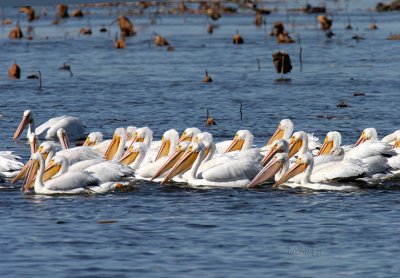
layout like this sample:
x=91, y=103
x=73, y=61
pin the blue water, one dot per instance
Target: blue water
x=176, y=231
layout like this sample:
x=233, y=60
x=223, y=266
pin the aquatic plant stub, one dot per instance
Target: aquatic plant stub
x=29, y=11
x=207, y=78
x=258, y=19
x=160, y=41
x=14, y=72
x=16, y=33
x=119, y=42
x=394, y=6
x=7, y=21
x=77, y=13
x=281, y=62
x=62, y=11
x=325, y=22
x=125, y=26
x=237, y=38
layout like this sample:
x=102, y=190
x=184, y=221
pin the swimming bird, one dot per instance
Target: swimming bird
x=48, y=130
x=285, y=131
x=373, y=153
x=276, y=167
x=189, y=134
x=368, y=134
x=235, y=173
x=169, y=142
x=105, y=171
x=68, y=183
x=243, y=140
x=304, y=176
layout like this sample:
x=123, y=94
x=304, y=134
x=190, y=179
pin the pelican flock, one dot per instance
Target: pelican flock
x=289, y=159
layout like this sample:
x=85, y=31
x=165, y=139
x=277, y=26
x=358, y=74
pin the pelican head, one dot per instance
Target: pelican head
x=168, y=143
x=119, y=135
x=202, y=136
x=179, y=151
x=63, y=137
x=331, y=144
x=144, y=135
x=93, y=139
x=278, y=146
x=189, y=134
x=277, y=164
x=369, y=134
x=298, y=140
x=186, y=161
x=303, y=163
x=284, y=131
x=47, y=149
x=242, y=141
x=35, y=162
x=57, y=166
x=27, y=118
x=33, y=142
x=391, y=138
x=130, y=132
x=134, y=155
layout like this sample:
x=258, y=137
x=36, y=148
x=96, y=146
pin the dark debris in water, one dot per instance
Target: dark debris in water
x=342, y=104
x=107, y=221
x=358, y=94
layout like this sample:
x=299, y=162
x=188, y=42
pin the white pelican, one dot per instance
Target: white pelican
x=159, y=168
x=374, y=154
x=369, y=134
x=243, y=140
x=9, y=164
x=105, y=171
x=189, y=134
x=96, y=142
x=117, y=146
x=391, y=138
x=284, y=131
x=134, y=156
x=48, y=149
x=33, y=142
x=278, y=146
x=63, y=138
x=48, y=130
x=130, y=134
x=69, y=183
x=235, y=173
x=276, y=167
x=304, y=176
x=169, y=142
x=300, y=144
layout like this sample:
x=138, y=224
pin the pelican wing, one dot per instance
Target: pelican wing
x=369, y=149
x=71, y=181
x=344, y=169
x=72, y=125
x=232, y=171
x=110, y=171
x=8, y=163
x=82, y=165
x=78, y=154
x=43, y=128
